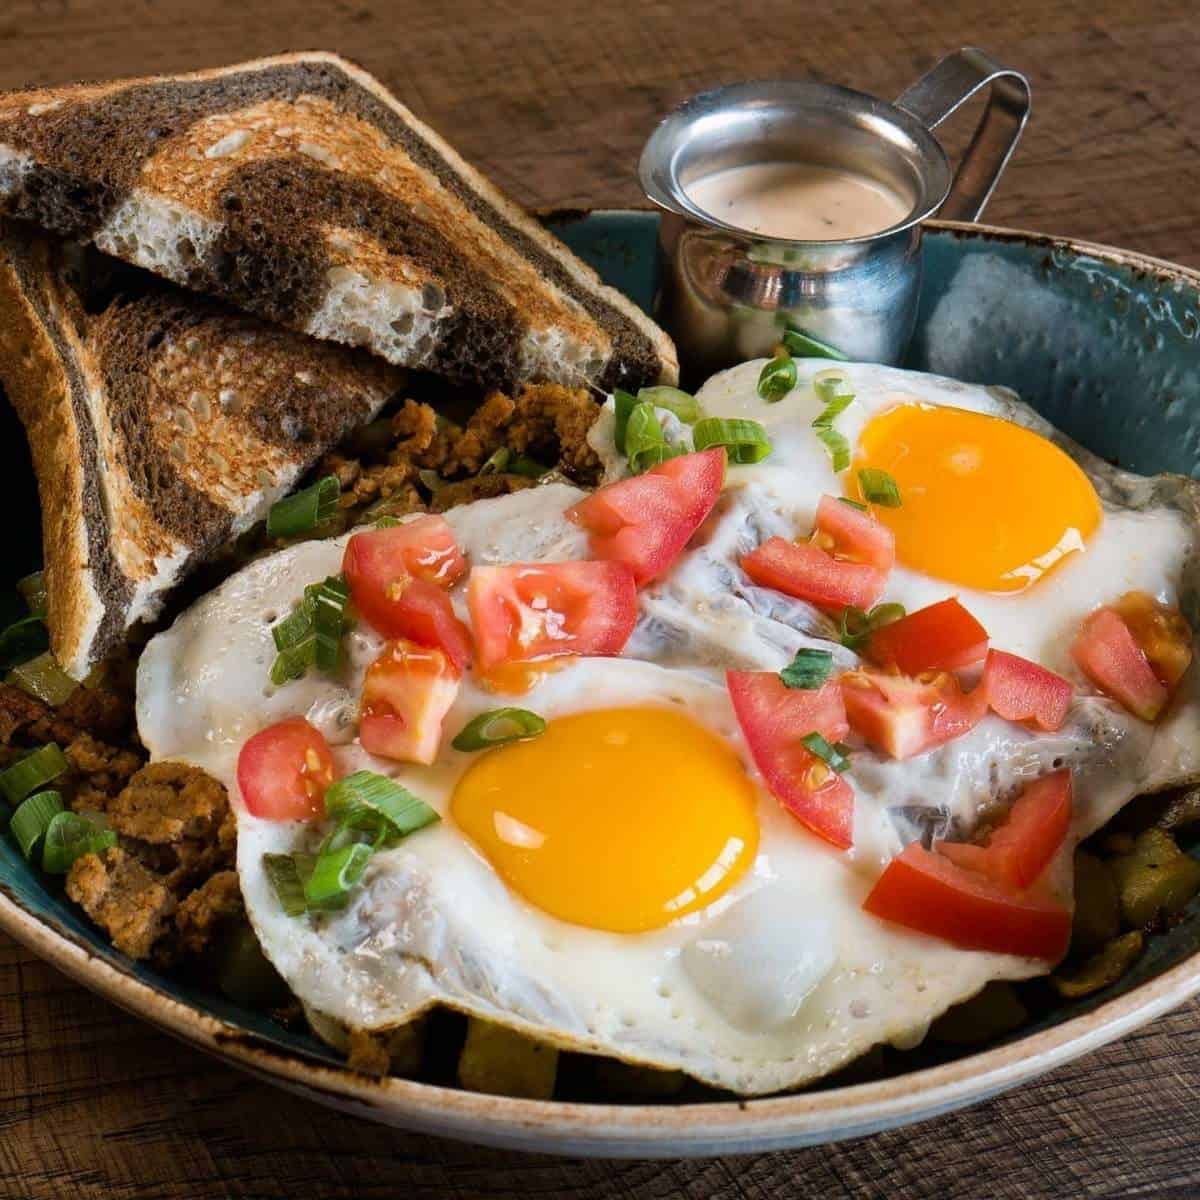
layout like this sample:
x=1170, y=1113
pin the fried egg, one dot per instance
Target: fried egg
x=624, y=884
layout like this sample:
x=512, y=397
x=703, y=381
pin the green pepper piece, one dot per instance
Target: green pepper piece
x=1101, y=970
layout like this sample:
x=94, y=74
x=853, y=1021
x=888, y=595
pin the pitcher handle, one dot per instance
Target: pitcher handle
x=950, y=84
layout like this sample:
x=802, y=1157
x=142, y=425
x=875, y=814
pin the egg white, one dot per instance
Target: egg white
x=784, y=978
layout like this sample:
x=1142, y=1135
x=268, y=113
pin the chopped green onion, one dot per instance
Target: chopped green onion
x=879, y=487
x=499, y=727
x=364, y=793
x=329, y=600
x=777, y=378
x=334, y=873
x=744, y=441
x=829, y=391
x=520, y=464
x=21, y=641
x=832, y=756
x=304, y=511
x=838, y=447
x=32, y=772
x=623, y=405
x=431, y=479
x=33, y=590
x=496, y=463
x=808, y=670
x=42, y=677
x=32, y=818
x=853, y=503
x=645, y=445
x=284, y=877
x=685, y=406
x=855, y=626
x=804, y=345
x=70, y=836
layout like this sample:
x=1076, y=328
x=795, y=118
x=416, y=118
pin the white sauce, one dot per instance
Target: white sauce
x=798, y=200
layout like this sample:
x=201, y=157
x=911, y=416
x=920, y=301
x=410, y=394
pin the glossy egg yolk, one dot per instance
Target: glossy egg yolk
x=619, y=819
x=984, y=503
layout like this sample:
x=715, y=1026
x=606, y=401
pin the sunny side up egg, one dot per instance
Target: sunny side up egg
x=625, y=884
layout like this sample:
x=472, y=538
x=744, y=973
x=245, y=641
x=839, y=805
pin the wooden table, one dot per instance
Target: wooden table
x=553, y=98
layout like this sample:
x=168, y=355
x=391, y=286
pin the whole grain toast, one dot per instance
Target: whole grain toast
x=160, y=428
x=299, y=189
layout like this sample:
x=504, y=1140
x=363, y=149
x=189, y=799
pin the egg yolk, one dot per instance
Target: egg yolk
x=984, y=503
x=620, y=819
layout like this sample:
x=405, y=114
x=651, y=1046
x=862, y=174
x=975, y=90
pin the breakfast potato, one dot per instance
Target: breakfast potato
x=499, y=1061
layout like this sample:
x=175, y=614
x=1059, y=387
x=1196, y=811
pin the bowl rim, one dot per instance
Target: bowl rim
x=621, y=1130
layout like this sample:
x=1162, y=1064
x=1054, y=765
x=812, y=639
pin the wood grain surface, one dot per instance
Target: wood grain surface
x=553, y=98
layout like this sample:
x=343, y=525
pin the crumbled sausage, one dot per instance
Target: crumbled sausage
x=166, y=802
x=129, y=902
x=208, y=911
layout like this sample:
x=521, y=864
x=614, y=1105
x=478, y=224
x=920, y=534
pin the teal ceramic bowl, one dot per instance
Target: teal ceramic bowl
x=1104, y=343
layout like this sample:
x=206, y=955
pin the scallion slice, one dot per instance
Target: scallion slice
x=879, y=487
x=334, y=873
x=808, y=670
x=805, y=345
x=777, y=378
x=284, y=877
x=855, y=626
x=834, y=756
x=303, y=512
x=830, y=391
x=33, y=590
x=32, y=818
x=853, y=503
x=838, y=447
x=499, y=727
x=328, y=599
x=365, y=792
x=497, y=462
x=645, y=445
x=70, y=836
x=744, y=441
x=42, y=677
x=32, y=772
x=685, y=406
x=623, y=405
x=521, y=464
x=21, y=641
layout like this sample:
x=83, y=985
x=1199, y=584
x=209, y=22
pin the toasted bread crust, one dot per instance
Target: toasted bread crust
x=343, y=160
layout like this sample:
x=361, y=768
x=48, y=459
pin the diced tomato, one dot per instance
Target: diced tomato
x=530, y=610
x=940, y=637
x=283, y=771
x=928, y=893
x=1109, y=656
x=398, y=578
x=647, y=520
x=844, y=564
x=1020, y=690
x=903, y=716
x=407, y=692
x=774, y=718
x=1021, y=849
x=1163, y=634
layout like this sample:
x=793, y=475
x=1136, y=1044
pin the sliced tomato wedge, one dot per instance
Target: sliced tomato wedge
x=1107, y=653
x=1162, y=632
x=1020, y=690
x=902, y=716
x=284, y=770
x=845, y=564
x=532, y=610
x=647, y=520
x=407, y=693
x=774, y=718
x=939, y=637
x=398, y=578
x=1021, y=849
x=928, y=893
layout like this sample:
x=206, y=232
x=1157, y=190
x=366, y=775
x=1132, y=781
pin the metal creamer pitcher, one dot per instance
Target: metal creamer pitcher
x=728, y=294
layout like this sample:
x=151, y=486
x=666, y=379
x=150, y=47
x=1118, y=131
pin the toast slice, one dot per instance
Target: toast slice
x=299, y=189
x=160, y=428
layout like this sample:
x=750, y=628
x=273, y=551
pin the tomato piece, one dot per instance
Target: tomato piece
x=928, y=893
x=1106, y=652
x=1020, y=850
x=647, y=520
x=406, y=694
x=398, y=578
x=1163, y=634
x=773, y=719
x=852, y=535
x=531, y=610
x=1020, y=690
x=283, y=771
x=939, y=637
x=902, y=716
